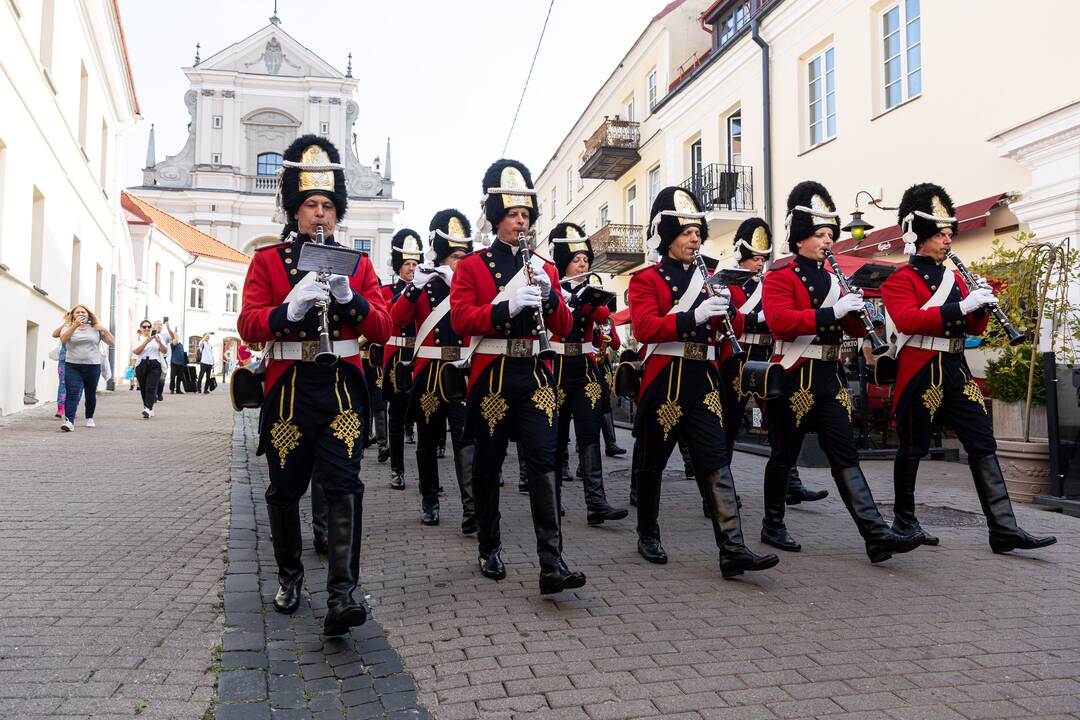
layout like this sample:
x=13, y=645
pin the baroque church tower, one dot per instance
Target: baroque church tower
x=247, y=102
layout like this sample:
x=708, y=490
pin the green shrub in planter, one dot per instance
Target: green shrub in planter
x=1007, y=376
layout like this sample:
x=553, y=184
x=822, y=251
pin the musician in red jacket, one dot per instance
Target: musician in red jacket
x=505, y=301
x=406, y=251
x=425, y=305
x=679, y=318
x=808, y=317
x=932, y=311
x=579, y=388
x=314, y=417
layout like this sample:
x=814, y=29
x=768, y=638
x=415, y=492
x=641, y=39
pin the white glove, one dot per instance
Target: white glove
x=526, y=296
x=978, y=298
x=446, y=272
x=567, y=295
x=421, y=278
x=849, y=303
x=541, y=276
x=339, y=288
x=305, y=298
x=711, y=307
x=982, y=282
x=761, y=316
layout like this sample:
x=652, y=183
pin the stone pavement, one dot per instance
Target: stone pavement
x=111, y=559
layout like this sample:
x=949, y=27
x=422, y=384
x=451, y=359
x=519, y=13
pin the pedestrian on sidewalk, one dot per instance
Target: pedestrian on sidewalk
x=148, y=350
x=168, y=337
x=178, y=360
x=206, y=364
x=61, y=355
x=82, y=336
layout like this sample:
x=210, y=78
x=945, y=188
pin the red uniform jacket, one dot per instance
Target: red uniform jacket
x=904, y=293
x=392, y=293
x=651, y=297
x=471, y=311
x=791, y=312
x=413, y=308
x=589, y=317
x=264, y=318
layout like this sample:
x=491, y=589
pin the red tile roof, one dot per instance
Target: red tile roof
x=194, y=241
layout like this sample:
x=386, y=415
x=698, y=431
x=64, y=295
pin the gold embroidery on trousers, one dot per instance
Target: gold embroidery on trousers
x=802, y=400
x=933, y=396
x=736, y=382
x=974, y=394
x=429, y=401
x=544, y=398
x=562, y=397
x=285, y=435
x=714, y=403
x=670, y=413
x=346, y=425
x=593, y=392
x=844, y=398
x=493, y=407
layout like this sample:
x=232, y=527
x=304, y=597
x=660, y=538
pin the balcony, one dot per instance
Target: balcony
x=262, y=183
x=612, y=150
x=617, y=248
x=723, y=187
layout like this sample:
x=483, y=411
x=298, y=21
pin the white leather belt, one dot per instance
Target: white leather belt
x=937, y=344
x=814, y=352
x=687, y=350
x=757, y=338
x=570, y=348
x=307, y=350
x=450, y=353
x=401, y=342
x=514, y=347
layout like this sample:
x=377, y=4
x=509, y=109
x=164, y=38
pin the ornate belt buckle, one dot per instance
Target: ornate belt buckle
x=572, y=348
x=451, y=353
x=518, y=347
x=409, y=342
x=695, y=351
x=956, y=345
x=828, y=352
x=308, y=351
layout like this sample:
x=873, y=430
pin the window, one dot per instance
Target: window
x=629, y=105
x=84, y=91
x=172, y=285
x=76, y=267
x=695, y=158
x=631, y=196
x=654, y=184
x=821, y=93
x=217, y=122
x=734, y=138
x=651, y=85
x=37, y=236
x=324, y=128
x=269, y=164
x=197, y=295
x=569, y=184
x=553, y=202
x=603, y=215
x=104, y=170
x=157, y=279
x=215, y=158
x=232, y=298
x=901, y=45
x=729, y=24
x=362, y=244
x=45, y=47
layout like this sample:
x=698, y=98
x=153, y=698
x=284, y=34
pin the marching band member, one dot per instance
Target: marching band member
x=808, y=317
x=933, y=309
x=507, y=302
x=678, y=317
x=406, y=251
x=313, y=416
x=425, y=304
x=577, y=377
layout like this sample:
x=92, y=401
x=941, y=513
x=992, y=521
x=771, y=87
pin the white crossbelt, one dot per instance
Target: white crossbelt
x=936, y=300
x=794, y=349
x=307, y=350
x=937, y=344
x=814, y=352
x=401, y=342
x=439, y=352
x=679, y=349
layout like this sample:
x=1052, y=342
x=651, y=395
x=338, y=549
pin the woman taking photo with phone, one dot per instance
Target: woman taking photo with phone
x=81, y=334
x=147, y=351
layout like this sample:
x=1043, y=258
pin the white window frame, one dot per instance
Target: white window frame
x=605, y=218
x=904, y=21
x=825, y=56
x=215, y=158
x=650, y=89
x=554, y=201
x=196, y=294
x=324, y=128
x=653, y=183
x=232, y=298
x=730, y=137
x=218, y=122
x=630, y=108
x=569, y=185
x=630, y=203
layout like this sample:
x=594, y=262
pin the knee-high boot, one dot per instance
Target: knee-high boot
x=346, y=524
x=318, y=514
x=648, y=514
x=555, y=576
x=798, y=493
x=905, y=470
x=735, y=557
x=635, y=457
x=427, y=467
x=523, y=477
x=288, y=544
x=773, y=530
x=397, y=458
x=381, y=439
x=1005, y=535
x=881, y=541
x=607, y=427
x=463, y=466
x=596, y=502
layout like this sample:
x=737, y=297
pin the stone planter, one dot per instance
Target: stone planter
x=1009, y=420
x=1026, y=466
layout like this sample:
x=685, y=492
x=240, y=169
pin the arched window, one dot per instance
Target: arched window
x=232, y=298
x=197, y=295
x=269, y=164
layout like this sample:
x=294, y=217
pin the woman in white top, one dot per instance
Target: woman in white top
x=81, y=335
x=148, y=351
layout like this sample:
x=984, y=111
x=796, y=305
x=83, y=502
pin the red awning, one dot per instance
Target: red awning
x=849, y=264
x=887, y=240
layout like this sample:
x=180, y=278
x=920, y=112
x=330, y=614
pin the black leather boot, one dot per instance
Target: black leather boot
x=565, y=465
x=881, y=541
x=397, y=458
x=427, y=467
x=555, y=576
x=1005, y=535
x=607, y=427
x=648, y=511
x=410, y=437
x=463, y=466
x=440, y=451
x=773, y=530
x=346, y=524
x=489, y=534
x=735, y=557
x=596, y=502
x=288, y=545
x=381, y=441
x=397, y=479
x=634, y=458
x=523, y=477
x=491, y=565
x=905, y=470
x=318, y=515
x=797, y=492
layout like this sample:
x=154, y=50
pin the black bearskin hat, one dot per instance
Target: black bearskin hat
x=508, y=175
x=298, y=183
x=932, y=200
x=406, y=245
x=801, y=223
x=674, y=210
x=567, y=240
x=450, y=231
x=752, y=238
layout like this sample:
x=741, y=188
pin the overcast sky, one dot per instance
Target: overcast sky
x=441, y=79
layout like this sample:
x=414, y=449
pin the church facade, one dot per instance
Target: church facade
x=247, y=102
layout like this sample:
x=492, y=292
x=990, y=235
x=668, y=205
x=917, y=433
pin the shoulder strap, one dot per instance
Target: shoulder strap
x=685, y=302
x=948, y=279
x=799, y=344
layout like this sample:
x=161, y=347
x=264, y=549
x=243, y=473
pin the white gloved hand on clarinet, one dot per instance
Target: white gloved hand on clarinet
x=339, y=288
x=526, y=296
x=713, y=306
x=305, y=298
x=542, y=279
x=979, y=297
x=421, y=278
x=852, y=302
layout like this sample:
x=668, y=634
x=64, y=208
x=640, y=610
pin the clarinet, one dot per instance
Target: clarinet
x=877, y=345
x=326, y=356
x=1015, y=336
x=546, y=351
x=725, y=322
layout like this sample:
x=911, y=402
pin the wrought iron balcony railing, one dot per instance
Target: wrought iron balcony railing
x=618, y=248
x=612, y=150
x=723, y=187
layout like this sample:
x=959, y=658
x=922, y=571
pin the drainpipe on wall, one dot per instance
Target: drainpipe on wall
x=766, y=118
x=183, y=300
